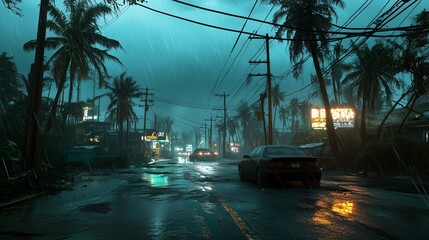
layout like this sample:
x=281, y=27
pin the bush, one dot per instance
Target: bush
x=394, y=155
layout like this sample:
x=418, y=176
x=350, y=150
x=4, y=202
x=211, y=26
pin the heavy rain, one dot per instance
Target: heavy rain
x=214, y=119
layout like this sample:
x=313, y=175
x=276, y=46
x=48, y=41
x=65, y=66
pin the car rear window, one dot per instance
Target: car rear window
x=285, y=151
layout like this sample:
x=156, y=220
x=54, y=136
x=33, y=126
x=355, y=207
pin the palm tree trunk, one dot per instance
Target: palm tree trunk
x=329, y=120
x=390, y=112
x=55, y=106
x=31, y=155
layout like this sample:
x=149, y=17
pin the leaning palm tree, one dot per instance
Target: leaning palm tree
x=307, y=23
x=122, y=92
x=79, y=45
x=373, y=74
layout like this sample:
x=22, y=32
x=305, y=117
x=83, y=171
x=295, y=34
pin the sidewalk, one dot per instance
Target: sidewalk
x=404, y=184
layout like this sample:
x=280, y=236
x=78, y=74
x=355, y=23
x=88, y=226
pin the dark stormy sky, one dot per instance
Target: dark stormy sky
x=187, y=64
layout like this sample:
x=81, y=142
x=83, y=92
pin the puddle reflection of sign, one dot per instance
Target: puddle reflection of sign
x=343, y=118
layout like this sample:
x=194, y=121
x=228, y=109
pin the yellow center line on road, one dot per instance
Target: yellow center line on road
x=240, y=223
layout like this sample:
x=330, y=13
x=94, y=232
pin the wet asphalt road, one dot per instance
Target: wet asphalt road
x=177, y=199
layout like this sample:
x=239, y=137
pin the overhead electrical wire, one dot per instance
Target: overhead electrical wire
x=366, y=34
x=249, y=33
x=241, y=50
x=281, y=25
x=258, y=52
x=182, y=104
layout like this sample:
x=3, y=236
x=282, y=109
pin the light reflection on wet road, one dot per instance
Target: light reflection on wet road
x=185, y=200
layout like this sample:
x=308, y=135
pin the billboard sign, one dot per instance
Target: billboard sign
x=343, y=118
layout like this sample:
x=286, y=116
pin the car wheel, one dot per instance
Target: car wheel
x=242, y=177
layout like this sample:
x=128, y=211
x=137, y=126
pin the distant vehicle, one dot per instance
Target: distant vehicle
x=280, y=163
x=203, y=154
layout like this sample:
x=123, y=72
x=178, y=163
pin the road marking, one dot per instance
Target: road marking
x=240, y=223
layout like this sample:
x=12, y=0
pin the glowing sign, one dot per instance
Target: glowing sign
x=153, y=136
x=343, y=118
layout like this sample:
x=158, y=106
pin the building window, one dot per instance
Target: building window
x=426, y=136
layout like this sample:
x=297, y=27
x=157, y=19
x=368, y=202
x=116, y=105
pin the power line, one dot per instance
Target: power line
x=182, y=104
x=281, y=25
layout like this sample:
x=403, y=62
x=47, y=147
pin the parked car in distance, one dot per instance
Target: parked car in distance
x=203, y=154
x=268, y=164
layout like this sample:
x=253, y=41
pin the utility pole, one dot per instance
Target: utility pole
x=210, y=133
x=263, y=95
x=224, y=95
x=205, y=134
x=147, y=103
x=269, y=88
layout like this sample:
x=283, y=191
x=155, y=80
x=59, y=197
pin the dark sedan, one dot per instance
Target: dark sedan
x=203, y=154
x=280, y=163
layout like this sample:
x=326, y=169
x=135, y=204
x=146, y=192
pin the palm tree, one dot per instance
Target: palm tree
x=293, y=110
x=283, y=115
x=304, y=111
x=79, y=45
x=11, y=88
x=74, y=110
x=309, y=22
x=373, y=73
x=166, y=124
x=277, y=98
x=245, y=115
x=122, y=92
x=337, y=72
x=415, y=60
x=12, y=5
x=232, y=126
